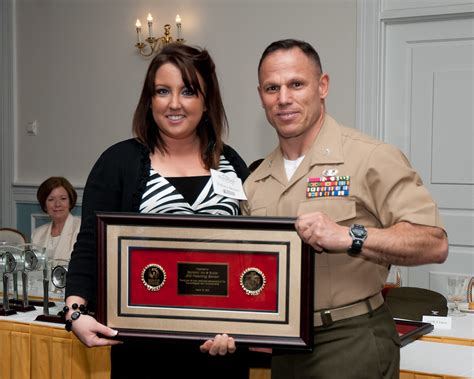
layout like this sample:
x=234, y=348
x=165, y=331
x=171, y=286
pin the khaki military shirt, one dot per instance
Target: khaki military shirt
x=383, y=190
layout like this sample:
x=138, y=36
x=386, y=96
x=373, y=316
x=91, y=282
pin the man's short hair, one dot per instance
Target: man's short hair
x=288, y=44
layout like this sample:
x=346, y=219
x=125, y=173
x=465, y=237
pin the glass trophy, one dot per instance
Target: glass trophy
x=35, y=261
x=54, y=286
x=11, y=262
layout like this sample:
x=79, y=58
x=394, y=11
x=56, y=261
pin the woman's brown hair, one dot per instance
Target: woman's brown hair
x=50, y=184
x=190, y=61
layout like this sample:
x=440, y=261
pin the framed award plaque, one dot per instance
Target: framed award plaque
x=409, y=331
x=189, y=278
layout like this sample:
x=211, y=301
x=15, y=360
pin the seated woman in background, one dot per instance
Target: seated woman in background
x=57, y=198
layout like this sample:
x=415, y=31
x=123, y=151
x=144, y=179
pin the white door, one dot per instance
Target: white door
x=427, y=111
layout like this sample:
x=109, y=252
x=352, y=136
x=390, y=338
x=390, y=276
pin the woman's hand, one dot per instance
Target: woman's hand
x=221, y=344
x=87, y=329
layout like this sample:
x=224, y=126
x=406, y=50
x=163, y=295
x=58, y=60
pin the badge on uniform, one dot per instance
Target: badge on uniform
x=328, y=186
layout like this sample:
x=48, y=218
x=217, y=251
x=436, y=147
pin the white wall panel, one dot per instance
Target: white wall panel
x=453, y=92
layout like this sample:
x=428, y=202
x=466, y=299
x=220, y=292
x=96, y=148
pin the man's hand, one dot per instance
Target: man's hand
x=321, y=233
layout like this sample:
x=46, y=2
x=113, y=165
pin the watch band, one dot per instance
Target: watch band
x=356, y=246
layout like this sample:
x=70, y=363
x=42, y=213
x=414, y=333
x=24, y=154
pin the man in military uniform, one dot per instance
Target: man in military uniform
x=359, y=205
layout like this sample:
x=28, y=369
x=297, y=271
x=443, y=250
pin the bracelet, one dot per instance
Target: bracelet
x=82, y=308
x=74, y=315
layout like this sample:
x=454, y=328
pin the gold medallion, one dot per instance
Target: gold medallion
x=153, y=277
x=252, y=281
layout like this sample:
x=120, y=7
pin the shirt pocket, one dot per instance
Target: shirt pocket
x=338, y=209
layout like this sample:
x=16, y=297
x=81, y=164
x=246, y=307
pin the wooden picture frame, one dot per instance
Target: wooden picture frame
x=179, y=277
x=409, y=331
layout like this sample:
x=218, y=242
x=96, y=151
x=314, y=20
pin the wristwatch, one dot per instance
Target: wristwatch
x=358, y=234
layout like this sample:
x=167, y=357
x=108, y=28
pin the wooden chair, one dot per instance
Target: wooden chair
x=10, y=236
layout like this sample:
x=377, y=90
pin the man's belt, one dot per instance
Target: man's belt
x=327, y=317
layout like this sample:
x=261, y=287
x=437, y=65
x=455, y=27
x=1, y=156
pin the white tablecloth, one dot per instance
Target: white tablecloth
x=438, y=358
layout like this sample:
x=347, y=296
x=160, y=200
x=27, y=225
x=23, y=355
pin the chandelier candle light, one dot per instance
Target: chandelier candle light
x=155, y=44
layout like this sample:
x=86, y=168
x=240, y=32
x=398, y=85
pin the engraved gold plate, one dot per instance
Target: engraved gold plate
x=153, y=277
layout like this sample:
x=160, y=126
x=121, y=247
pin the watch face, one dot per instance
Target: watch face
x=358, y=231
x=358, y=234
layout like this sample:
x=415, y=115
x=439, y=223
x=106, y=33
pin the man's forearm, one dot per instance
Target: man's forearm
x=406, y=244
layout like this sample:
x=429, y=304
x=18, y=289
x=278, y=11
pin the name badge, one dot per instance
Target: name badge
x=438, y=321
x=227, y=185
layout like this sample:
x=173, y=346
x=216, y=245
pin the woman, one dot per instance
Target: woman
x=57, y=198
x=178, y=126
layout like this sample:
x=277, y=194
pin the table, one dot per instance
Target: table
x=443, y=353
x=423, y=359
x=37, y=350
x=461, y=333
